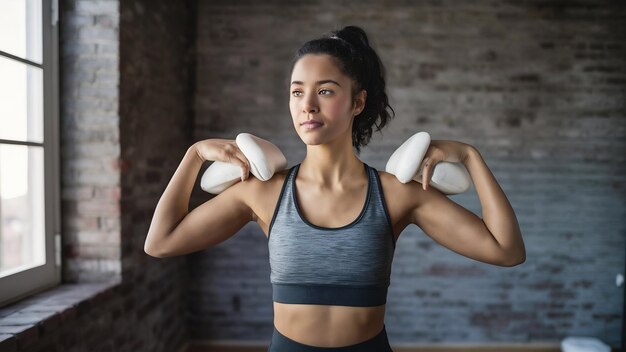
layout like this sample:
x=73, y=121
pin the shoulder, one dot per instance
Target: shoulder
x=391, y=183
x=405, y=197
x=261, y=195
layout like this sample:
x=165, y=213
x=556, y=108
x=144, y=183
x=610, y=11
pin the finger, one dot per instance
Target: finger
x=234, y=156
x=428, y=166
x=425, y=176
x=421, y=167
x=243, y=163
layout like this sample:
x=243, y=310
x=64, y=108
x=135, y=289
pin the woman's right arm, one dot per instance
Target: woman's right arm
x=175, y=231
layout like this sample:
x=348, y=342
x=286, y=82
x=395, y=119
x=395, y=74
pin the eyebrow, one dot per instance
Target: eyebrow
x=318, y=82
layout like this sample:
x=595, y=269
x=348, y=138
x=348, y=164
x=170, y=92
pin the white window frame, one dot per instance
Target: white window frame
x=22, y=284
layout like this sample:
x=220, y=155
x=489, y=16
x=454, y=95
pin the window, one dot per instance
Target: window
x=29, y=148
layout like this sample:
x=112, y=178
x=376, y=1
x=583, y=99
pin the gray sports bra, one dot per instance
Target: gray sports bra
x=348, y=265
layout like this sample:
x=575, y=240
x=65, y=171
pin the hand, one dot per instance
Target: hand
x=225, y=150
x=441, y=150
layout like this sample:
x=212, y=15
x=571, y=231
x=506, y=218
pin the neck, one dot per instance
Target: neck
x=328, y=166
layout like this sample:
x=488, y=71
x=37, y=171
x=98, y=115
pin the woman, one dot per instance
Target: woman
x=330, y=224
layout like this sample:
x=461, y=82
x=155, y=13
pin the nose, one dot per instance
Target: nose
x=310, y=104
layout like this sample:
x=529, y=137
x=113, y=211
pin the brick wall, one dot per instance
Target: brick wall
x=156, y=71
x=126, y=108
x=90, y=140
x=536, y=86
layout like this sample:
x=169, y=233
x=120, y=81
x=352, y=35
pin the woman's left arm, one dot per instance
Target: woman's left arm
x=496, y=238
x=498, y=215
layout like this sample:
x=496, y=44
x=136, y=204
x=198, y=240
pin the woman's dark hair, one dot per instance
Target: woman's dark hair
x=358, y=60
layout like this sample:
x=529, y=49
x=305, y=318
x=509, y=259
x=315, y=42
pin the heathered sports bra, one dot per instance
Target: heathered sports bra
x=348, y=265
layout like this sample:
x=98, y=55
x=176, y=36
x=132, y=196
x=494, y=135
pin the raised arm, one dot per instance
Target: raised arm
x=173, y=230
x=494, y=239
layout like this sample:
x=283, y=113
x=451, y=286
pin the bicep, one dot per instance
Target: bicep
x=210, y=223
x=455, y=227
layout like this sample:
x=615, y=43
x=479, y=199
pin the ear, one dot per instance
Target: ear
x=360, y=102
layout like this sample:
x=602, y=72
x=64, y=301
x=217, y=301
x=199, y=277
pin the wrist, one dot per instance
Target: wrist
x=193, y=152
x=470, y=153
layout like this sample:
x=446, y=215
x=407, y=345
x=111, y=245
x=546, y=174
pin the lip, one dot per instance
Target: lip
x=310, y=123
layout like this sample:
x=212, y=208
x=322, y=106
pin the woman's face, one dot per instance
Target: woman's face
x=320, y=91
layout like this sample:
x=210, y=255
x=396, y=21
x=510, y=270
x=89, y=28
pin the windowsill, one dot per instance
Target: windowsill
x=21, y=323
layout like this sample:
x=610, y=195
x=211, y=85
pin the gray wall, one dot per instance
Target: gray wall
x=536, y=86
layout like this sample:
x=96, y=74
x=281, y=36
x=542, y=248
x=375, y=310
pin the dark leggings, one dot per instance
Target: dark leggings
x=281, y=343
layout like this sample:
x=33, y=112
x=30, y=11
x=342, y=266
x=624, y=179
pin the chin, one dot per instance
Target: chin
x=311, y=141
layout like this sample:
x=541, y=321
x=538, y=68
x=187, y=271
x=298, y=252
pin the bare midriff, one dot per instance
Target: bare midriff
x=328, y=325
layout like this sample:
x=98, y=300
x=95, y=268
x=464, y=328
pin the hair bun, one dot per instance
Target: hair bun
x=353, y=34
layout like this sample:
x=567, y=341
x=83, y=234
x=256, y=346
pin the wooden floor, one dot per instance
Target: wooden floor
x=208, y=347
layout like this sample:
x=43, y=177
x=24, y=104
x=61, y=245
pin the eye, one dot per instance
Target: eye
x=328, y=90
x=294, y=93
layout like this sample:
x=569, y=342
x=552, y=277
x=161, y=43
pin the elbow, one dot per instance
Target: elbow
x=514, y=261
x=152, y=252
x=514, y=257
x=517, y=262
x=154, y=246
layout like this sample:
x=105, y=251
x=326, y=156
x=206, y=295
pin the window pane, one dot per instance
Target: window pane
x=21, y=101
x=22, y=230
x=20, y=28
